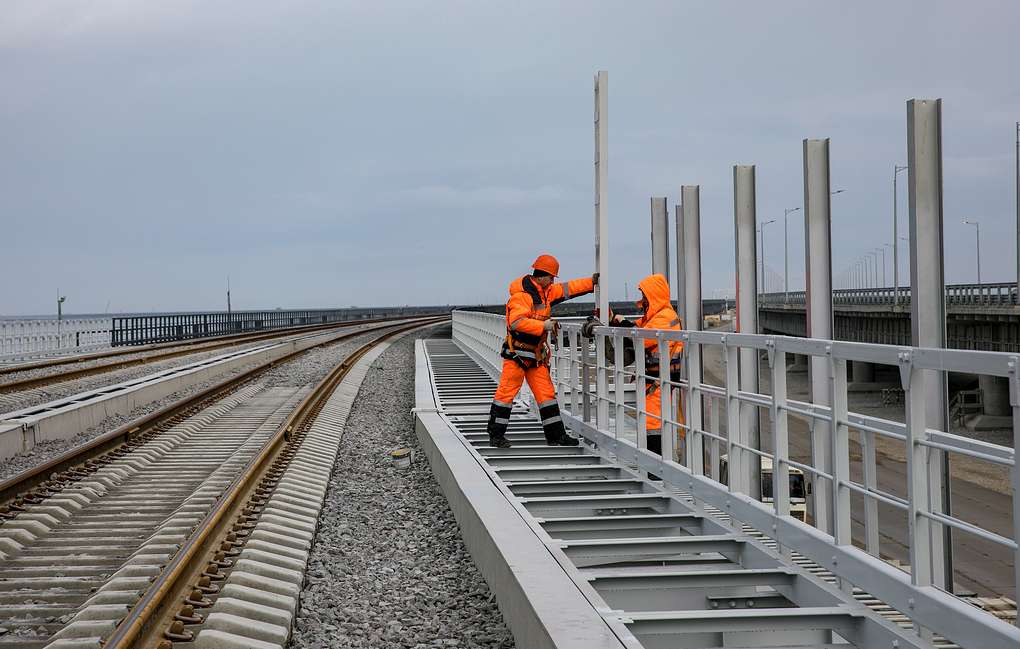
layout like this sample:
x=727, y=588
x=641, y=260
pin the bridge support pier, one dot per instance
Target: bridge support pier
x=995, y=396
x=799, y=364
x=862, y=372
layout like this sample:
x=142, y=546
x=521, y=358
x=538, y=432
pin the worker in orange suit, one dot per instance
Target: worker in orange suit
x=657, y=313
x=526, y=349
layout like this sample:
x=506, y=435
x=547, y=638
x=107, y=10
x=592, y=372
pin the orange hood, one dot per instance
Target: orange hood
x=656, y=291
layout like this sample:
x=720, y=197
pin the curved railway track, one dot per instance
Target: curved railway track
x=160, y=352
x=143, y=521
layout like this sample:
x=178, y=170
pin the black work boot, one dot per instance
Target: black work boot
x=499, y=419
x=552, y=425
x=655, y=446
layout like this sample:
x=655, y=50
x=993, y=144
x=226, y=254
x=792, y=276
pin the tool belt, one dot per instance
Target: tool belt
x=526, y=354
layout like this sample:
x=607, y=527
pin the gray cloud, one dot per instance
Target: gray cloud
x=346, y=152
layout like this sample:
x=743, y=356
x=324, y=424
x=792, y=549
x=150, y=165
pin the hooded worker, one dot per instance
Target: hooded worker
x=657, y=313
x=526, y=350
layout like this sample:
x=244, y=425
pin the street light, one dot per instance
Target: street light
x=977, y=241
x=874, y=266
x=786, y=252
x=762, y=230
x=895, y=235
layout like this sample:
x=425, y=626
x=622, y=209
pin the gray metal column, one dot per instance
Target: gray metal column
x=692, y=316
x=601, y=238
x=927, y=300
x=660, y=237
x=744, y=221
x=681, y=281
x=818, y=295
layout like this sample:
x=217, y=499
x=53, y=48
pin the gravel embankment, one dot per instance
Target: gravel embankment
x=389, y=568
x=300, y=371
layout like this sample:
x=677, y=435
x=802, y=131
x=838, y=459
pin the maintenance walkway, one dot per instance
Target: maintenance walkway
x=582, y=551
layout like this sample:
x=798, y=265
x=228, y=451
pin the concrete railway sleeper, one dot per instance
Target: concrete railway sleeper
x=93, y=532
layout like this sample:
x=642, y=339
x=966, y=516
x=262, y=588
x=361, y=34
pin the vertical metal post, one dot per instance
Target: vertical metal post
x=690, y=197
x=681, y=280
x=781, y=439
x=744, y=219
x=1018, y=216
x=666, y=401
x=928, y=308
x=660, y=237
x=620, y=414
x=713, y=445
x=818, y=296
x=735, y=475
x=639, y=396
x=601, y=237
x=841, y=531
x=896, y=234
x=1014, y=402
x=573, y=380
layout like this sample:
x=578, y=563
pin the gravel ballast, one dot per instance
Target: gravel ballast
x=388, y=567
x=307, y=368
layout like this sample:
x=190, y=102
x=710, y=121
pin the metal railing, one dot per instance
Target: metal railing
x=143, y=330
x=1000, y=294
x=26, y=338
x=617, y=429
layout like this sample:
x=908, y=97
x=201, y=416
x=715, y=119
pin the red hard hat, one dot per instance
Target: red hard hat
x=547, y=264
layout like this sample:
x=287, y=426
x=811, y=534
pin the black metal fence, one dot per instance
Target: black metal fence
x=144, y=330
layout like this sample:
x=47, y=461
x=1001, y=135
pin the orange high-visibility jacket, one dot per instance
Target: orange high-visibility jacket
x=660, y=315
x=529, y=307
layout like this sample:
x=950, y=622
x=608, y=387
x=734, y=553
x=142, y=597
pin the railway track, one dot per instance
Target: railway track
x=112, y=539
x=80, y=366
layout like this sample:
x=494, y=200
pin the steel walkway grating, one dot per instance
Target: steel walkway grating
x=661, y=571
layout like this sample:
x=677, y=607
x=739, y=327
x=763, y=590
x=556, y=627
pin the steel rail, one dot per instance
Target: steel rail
x=46, y=479
x=154, y=612
x=192, y=347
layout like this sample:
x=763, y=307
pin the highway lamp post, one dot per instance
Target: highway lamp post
x=895, y=235
x=761, y=229
x=874, y=267
x=977, y=243
x=786, y=251
x=1018, y=209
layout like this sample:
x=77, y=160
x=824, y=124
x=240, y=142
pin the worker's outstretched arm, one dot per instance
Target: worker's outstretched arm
x=517, y=320
x=571, y=289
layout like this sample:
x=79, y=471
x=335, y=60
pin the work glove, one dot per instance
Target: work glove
x=595, y=279
x=549, y=324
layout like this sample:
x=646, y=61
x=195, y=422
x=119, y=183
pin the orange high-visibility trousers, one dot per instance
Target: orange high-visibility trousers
x=653, y=410
x=510, y=381
x=513, y=376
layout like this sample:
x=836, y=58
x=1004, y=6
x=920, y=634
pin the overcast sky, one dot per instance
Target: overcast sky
x=334, y=153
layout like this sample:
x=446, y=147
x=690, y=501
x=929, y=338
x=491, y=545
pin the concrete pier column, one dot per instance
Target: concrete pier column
x=862, y=372
x=660, y=237
x=799, y=364
x=746, y=255
x=995, y=395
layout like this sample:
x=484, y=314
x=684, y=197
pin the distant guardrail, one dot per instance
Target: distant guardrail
x=144, y=330
x=1000, y=294
x=33, y=337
